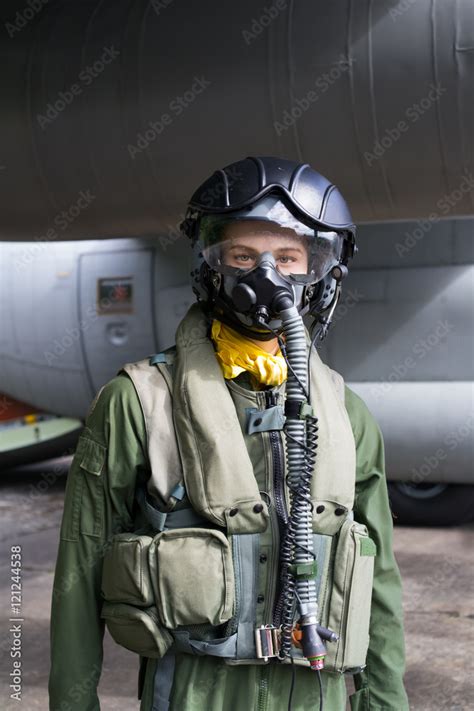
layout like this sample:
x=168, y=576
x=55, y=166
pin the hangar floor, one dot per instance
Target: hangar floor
x=437, y=571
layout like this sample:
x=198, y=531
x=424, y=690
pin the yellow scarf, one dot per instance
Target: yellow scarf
x=236, y=353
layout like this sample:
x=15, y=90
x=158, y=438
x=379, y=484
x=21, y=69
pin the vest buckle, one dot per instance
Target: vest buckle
x=267, y=641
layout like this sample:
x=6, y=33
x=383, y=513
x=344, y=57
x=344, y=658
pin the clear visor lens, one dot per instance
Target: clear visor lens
x=231, y=245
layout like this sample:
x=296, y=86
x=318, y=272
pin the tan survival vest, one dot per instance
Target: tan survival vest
x=190, y=586
x=192, y=426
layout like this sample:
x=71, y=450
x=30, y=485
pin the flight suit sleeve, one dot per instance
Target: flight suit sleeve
x=380, y=686
x=109, y=456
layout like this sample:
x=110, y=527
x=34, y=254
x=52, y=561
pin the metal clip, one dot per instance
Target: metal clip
x=267, y=641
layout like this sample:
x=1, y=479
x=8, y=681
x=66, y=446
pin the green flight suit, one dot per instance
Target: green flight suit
x=99, y=502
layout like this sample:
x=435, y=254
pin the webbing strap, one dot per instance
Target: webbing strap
x=178, y=492
x=222, y=647
x=163, y=682
x=159, y=520
x=245, y=548
x=184, y=518
x=273, y=418
x=157, y=358
x=163, y=357
x=155, y=518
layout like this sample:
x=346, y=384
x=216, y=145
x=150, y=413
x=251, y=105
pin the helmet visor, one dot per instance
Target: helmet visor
x=232, y=243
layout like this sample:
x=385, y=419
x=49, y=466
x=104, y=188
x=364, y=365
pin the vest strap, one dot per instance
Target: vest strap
x=267, y=420
x=178, y=492
x=153, y=385
x=225, y=647
x=159, y=520
x=163, y=357
x=152, y=515
x=245, y=548
x=163, y=682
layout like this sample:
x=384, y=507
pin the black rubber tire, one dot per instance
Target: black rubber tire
x=450, y=507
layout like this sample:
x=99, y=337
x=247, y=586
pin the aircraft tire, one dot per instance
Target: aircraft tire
x=431, y=504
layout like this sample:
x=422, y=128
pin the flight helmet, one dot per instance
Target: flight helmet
x=260, y=198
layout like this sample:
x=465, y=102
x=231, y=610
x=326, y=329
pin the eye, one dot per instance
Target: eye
x=243, y=257
x=286, y=259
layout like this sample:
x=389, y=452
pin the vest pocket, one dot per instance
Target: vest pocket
x=125, y=575
x=180, y=577
x=192, y=576
x=136, y=630
x=351, y=597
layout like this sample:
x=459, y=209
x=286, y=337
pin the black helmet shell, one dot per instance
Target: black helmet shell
x=307, y=192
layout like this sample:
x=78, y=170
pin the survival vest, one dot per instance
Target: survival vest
x=188, y=581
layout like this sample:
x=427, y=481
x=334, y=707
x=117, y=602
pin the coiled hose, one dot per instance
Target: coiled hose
x=301, y=436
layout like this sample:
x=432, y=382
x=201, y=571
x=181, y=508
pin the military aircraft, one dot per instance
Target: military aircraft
x=114, y=112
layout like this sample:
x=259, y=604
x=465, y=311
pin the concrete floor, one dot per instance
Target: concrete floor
x=436, y=566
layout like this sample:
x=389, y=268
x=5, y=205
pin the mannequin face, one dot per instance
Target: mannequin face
x=244, y=241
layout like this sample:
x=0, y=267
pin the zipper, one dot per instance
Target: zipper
x=262, y=696
x=278, y=468
x=278, y=477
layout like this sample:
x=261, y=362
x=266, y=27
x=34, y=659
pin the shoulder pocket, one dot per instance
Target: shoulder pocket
x=83, y=502
x=91, y=458
x=91, y=455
